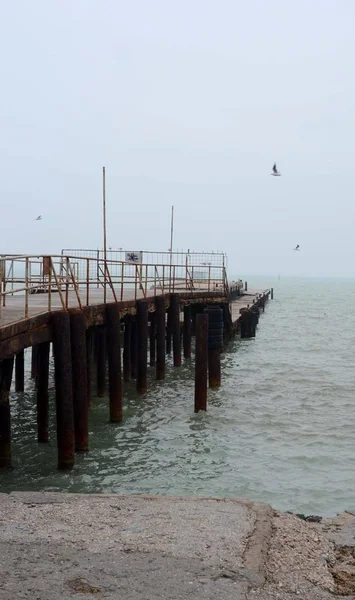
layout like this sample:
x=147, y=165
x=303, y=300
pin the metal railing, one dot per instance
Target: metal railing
x=70, y=281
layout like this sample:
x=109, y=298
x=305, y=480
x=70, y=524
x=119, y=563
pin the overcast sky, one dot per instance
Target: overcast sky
x=186, y=102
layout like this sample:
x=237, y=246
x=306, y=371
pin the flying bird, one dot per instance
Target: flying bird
x=297, y=247
x=275, y=172
x=39, y=218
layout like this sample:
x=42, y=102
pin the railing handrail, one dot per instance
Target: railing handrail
x=60, y=273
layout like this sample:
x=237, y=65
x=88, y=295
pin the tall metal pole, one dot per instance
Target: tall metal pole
x=104, y=226
x=171, y=243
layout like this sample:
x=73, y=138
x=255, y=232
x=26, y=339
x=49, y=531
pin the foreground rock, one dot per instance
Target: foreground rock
x=143, y=547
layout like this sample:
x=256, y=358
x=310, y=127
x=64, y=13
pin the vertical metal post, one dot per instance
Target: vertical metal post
x=142, y=325
x=80, y=379
x=104, y=226
x=152, y=338
x=187, y=332
x=20, y=371
x=42, y=392
x=127, y=348
x=160, y=322
x=64, y=389
x=201, y=358
x=114, y=362
x=6, y=370
x=175, y=318
x=26, y=286
x=101, y=361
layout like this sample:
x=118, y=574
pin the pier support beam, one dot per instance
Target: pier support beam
x=64, y=389
x=201, y=363
x=34, y=354
x=114, y=362
x=175, y=318
x=142, y=322
x=89, y=362
x=214, y=368
x=187, y=331
x=20, y=372
x=134, y=348
x=42, y=392
x=152, y=338
x=169, y=330
x=127, y=348
x=101, y=361
x=272, y=293
x=6, y=369
x=160, y=321
x=215, y=344
x=80, y=379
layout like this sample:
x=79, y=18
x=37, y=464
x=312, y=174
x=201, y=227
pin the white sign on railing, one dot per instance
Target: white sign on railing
x=134, y=257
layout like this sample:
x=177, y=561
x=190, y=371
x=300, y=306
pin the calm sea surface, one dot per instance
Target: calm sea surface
x=281, y=429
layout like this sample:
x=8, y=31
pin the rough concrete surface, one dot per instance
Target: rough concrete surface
x=65, y=546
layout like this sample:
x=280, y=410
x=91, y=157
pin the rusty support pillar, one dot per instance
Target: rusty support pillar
x=214, y=368
x=152, y=338
x=63, y=389
x=101, y=361
x=160, y=312
x=176, y=331
x=20, y=371
x=201, y=357
x=114, y=362
x=127, y=348
x=272, y=293
x=187, y=332
x=34, y=352
x=193, y=319
x=89, y=362
x=246, y=286
x=142, y=324
x=42, y=392
x=80, y=379
x=134, y=348
x=6, y=369
x=169, y=330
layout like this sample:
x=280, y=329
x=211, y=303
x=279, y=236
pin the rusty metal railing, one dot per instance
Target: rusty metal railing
x=33, y=284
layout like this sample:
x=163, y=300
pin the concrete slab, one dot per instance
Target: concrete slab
x=57, y=545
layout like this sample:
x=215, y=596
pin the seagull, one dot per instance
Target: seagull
x=275, y=172
x=297, y=247
x=39, y=218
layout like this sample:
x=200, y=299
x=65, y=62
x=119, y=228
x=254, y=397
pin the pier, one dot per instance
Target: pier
x=115, y=314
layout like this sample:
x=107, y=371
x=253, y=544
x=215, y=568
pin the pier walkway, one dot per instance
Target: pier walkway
x=90, y=309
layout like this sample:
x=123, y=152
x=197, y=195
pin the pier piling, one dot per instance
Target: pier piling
x=114, y=362
x=134, y=348
x=101, y=361
x=42, y=392
x=142, y=322
x=80, y=379
x=215, y=345
x=169, y=330
x=152, y=339
x=187, y=331
x=201, y=358
x=20, y=371
x=127, y=338
x=89, y=362
x=175, y=318
x=272, y=293
x=160, y=323
x=64, y=389
x=34, y=353
x=6, y=369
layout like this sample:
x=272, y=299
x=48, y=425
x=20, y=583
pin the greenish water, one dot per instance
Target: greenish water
x=280, y=429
